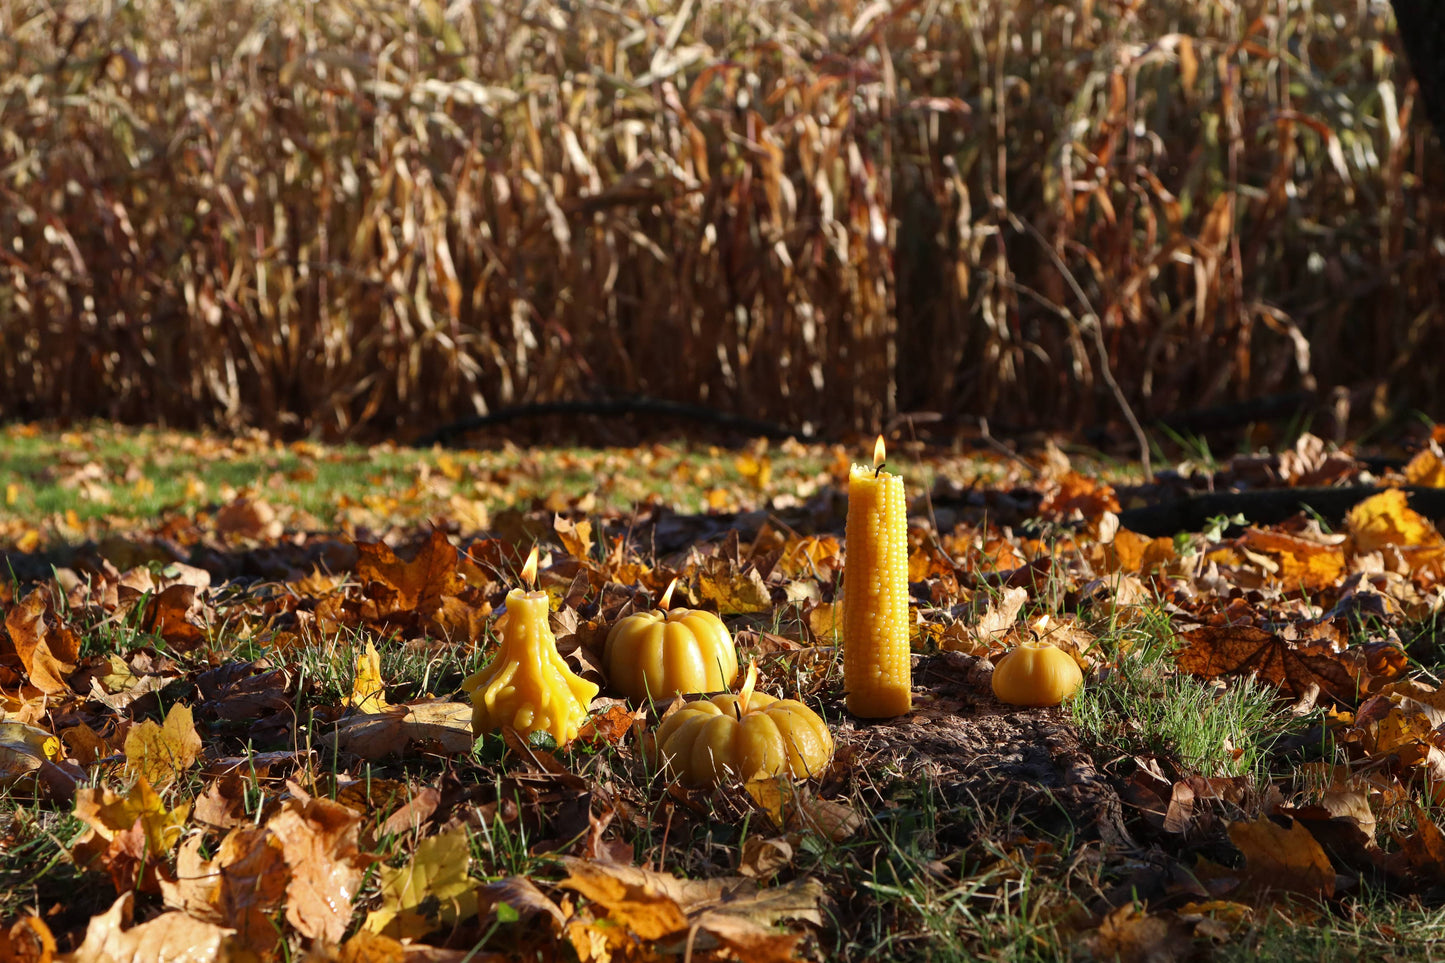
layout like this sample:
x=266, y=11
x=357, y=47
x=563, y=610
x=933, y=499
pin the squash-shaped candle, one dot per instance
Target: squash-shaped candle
x=877, y=670
x=528, y=686
x=658, y=654
x=1036, y=674
x=749, y=735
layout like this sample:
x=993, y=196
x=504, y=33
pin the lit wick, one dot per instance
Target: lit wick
x=879, y=456
x=529, y=571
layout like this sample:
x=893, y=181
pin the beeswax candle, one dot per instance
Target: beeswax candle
x=877, y=672
x=657, y=654
x=528, y=686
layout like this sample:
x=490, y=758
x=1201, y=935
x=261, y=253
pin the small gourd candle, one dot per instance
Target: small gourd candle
x=749, y=735
x=528, y=686
x=877, y=670
x=667, y=651
x=1036, y=674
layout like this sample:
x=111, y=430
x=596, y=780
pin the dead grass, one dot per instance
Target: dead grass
x=344, y=217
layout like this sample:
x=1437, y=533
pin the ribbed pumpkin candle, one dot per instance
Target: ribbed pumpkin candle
x=528, y=686
x=877, y=671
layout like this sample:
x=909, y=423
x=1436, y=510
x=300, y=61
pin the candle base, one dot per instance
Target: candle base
x=880, y=704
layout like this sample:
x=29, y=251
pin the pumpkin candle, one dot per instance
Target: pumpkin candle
x=877, y=671
x=657, y=654
x=528, y=686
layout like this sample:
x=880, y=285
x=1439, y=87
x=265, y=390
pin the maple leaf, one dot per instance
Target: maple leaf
x=161, y=753
x=576, y=537
x=410, y=585
x=734, y=591
x=1223, y=650
x=1298, y=562
x=437, y=872
x=1386, y=520
x=318, y=838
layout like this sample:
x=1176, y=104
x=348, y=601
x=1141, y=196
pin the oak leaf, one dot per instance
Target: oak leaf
x=29, y=940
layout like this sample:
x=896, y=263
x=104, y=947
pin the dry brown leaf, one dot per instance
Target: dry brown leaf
x=409, y=585
x=1282, y=860
x=319, y=840
x=46, y=645
x=28, y=940
x=576, y=537
x=794, y=808
x=1226, y=650
x=443, y=728
x=169, y=938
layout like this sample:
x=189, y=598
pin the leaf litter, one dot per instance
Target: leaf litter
x=259, y=736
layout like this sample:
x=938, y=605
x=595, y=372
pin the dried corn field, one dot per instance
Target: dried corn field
x=362, y=217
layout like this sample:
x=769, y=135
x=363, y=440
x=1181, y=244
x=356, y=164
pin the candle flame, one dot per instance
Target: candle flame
x=745, y=694
x=529, y=571
x=665, y=602
x=879, y=454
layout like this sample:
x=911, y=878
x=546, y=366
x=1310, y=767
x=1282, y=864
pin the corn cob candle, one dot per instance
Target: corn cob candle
x=877, y=671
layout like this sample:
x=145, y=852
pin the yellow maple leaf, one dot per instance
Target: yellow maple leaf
x=108, y=813
x=160, y=753
x=1386, y=519
x=437, y=871
x=1426, y=470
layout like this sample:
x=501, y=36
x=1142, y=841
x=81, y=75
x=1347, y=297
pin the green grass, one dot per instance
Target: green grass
x=1143, y=706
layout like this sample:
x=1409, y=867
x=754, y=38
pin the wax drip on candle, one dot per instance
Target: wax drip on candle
x=665, y=602
x=879, y=456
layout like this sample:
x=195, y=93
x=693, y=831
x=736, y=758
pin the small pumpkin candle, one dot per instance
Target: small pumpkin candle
x=1036, y=674
x=877, y=670
x=749, y=735
x=667, y=651
x=528, y=686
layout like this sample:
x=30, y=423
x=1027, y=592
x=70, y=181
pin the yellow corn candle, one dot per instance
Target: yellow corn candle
x=528, y=686
x=877, y=672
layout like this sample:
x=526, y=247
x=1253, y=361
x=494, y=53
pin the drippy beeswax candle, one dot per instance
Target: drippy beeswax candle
x=877, y=672
x=528, y=686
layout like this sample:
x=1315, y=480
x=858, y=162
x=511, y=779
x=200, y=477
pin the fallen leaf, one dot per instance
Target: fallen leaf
x=437, y=875
x=28, y=940
x=45, y=643
x=23, y=749
x=444, y=728
x=318, y=837
x=161, y=753
x=1282, y=860
x=1387, y=520
x=368, y=692
x=169, y=938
